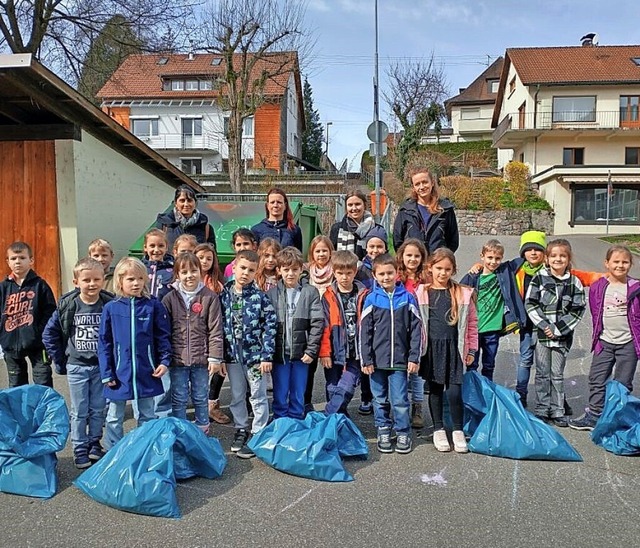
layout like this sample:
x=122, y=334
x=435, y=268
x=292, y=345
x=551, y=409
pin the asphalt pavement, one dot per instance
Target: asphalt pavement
x=424, y=498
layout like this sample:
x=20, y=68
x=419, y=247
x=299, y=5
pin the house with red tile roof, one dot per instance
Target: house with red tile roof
x=173, y=102
x=573, y=115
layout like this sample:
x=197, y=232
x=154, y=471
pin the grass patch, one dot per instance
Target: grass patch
x=632, y=241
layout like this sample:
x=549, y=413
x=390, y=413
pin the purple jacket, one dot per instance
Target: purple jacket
x=596, y=304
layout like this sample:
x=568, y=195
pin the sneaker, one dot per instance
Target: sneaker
x=366, y=408
x=404, y=444
x=440, y=441
x=239, y=440
x=416, y=416
x=459, y=442
x=96, y=452
x=384, y=440
x=568, y=412
x=245, y=452
x=585, y=422
x=81, y=460
x=560, y=422
x=543, y=418
x=216, y=414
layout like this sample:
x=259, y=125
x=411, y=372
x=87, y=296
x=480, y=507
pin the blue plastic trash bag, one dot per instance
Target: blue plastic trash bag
x=34, y=424
x=139, y=473
x=618, y=429
x=310, y=448
x=500, y=427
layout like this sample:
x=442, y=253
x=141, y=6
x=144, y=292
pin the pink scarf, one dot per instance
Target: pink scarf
x=320, y=278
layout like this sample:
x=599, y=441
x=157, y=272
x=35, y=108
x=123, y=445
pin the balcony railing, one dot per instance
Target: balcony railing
x=569, y=120
x=179, y=141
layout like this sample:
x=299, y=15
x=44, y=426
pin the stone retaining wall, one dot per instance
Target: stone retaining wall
x=510, y=222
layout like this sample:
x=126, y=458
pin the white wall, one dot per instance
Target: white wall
x=471, y=129
x=293, y=145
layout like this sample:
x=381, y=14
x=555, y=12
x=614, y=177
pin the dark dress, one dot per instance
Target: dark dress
x=442, y=363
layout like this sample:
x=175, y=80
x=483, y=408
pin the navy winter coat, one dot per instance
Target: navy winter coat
x=279, y=232
x=167, y=222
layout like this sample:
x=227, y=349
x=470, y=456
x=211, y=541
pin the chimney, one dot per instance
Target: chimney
x=191, y=56
x=589, y=40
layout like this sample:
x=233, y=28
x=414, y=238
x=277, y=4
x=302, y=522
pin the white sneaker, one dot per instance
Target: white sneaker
x=459, y=442
x=440, y=441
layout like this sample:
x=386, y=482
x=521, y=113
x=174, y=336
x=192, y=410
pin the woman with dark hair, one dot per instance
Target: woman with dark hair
x=279, y=223
x=425, y=215
x=186, y=219
x=357, y=225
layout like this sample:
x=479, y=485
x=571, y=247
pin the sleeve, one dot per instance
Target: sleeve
x=333, y=234
x=105, y=347
x=269, y=331
x=297, y=238
x=468, y=279
x=472, y=328
x=415, y=332
x=316, y=321
x=161, y=333
x=366, y=333
x=571, y=315
x=48, y=306
x=452, y=236
x=586, y=278
x=398, y=230
x=54, y=343
x=216, y=333
x=258, y=232
x=533, y=304
x=325, y=340
x=212, y=237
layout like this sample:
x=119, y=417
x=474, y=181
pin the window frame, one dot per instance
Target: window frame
x=153, y=124
x=573, y=150
x=189, y=159
x=576, y=187
x=469, y=110
x=556, y=119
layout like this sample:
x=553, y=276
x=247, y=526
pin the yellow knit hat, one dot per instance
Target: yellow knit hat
x=533, y=239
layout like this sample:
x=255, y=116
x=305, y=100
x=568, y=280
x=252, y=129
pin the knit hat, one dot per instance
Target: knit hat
x=376, y=232
x=533, y=239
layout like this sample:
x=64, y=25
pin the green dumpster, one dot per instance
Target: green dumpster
x=227, y=217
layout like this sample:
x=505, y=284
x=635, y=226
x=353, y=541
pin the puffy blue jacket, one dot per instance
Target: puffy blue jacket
x=279, y=232
x=135, y=337
x=390, y=329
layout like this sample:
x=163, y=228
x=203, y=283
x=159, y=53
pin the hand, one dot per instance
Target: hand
x=326, y=363
x=367, y=369
x=213, y=368
x=159, y=371
x=476, y=268
x=469, y=360
x=111, y=384
x=265, y=367
x=413, y=367
x=549, y=332
x=306, y=359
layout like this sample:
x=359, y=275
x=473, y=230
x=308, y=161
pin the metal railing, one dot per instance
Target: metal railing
x=179, y=141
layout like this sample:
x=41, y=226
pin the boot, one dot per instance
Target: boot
x=416, y=416
x=216, y=414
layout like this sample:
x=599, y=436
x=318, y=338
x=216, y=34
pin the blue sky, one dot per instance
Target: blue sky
x=460, y=33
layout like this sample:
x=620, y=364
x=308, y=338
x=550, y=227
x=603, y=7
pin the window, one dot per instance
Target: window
x=574, y=109
x=632, y=156
x=144, y=127
x=589, y=204
x=572, y=156
x=192, y=126
x=470, y=113
x=177, y=85
x=636, y=61
x=521, y=158
x=247, y=127
x=493, y=85
x=206, y=84
x=522, y=110
x=512, y=85
x=191, y=85
x=629, y=109
x=191, y=166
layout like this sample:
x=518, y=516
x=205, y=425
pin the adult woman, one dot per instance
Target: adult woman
x=425, y=215
x=279, y=223
x=186, y=219
x=350, y=234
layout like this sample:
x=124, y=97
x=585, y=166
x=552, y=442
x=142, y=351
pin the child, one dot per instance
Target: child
x=375, y=244
x=134, y=348
x=299, y=329
x=615, y=311
x=158, y=262
x=319, y=265
x=71, y=339
x=500, y=309
x=26, y=304
x=185, y=243
x=242, y=238
x=342, y=305
x=101, y=251
x=451, y=325
x=267, y=275
x=411, y=260
x=196, y=338
x=555, y=303
x=211, y=274
x=249, y=339
x=390, y=346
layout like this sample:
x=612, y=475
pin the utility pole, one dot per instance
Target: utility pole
x=376, y=120
x=326, y=150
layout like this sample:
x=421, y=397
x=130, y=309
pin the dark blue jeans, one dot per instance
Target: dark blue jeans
x=190, y=381
x=341, y=385
x=488, y=348
x=389, y=389
x=289, y=383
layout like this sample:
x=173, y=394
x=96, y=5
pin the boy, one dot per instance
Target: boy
x=26, y=304
x=299, y=330
x=375, y=244
x=390, y=346
x=71, y=339
x=249, y=323
x=500, y=309
x=342, y=305
x=241, y=239
x=101, y=251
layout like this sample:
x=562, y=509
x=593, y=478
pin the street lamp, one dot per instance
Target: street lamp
x=326, y=151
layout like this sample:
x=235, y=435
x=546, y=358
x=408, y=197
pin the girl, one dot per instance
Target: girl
x=451, y=324
x=159, y=263
x=267, y=273
x=211, y=274
x=411, y=260
x=184, y=243
x=243, y=238
x=134, y=348
x=319, y=265
x=196, y=339
x=279, y=223
x=555, y=302
x=615, y=311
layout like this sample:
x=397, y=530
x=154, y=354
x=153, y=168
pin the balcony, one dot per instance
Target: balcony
x=474, y=125
x=518, y=127
x=178, y=141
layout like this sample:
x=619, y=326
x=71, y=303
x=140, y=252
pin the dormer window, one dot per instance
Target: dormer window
x=636, y=61
x=215, y=62
x=492, y=86
x=182, y=84
x=163, y=61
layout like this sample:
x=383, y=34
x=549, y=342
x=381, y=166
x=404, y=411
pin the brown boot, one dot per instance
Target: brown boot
x=416, y=416
x=216, y=414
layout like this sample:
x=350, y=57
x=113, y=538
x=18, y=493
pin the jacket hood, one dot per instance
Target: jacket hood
x=30, y=276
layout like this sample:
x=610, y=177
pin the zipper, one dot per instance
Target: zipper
x=118, y=357
x=390, y=296
x=134, y=366
x=188, y=335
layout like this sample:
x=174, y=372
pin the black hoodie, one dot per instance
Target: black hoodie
x=167, y=222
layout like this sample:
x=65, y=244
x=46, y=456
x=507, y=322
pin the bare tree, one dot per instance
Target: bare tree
x=260, y=42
